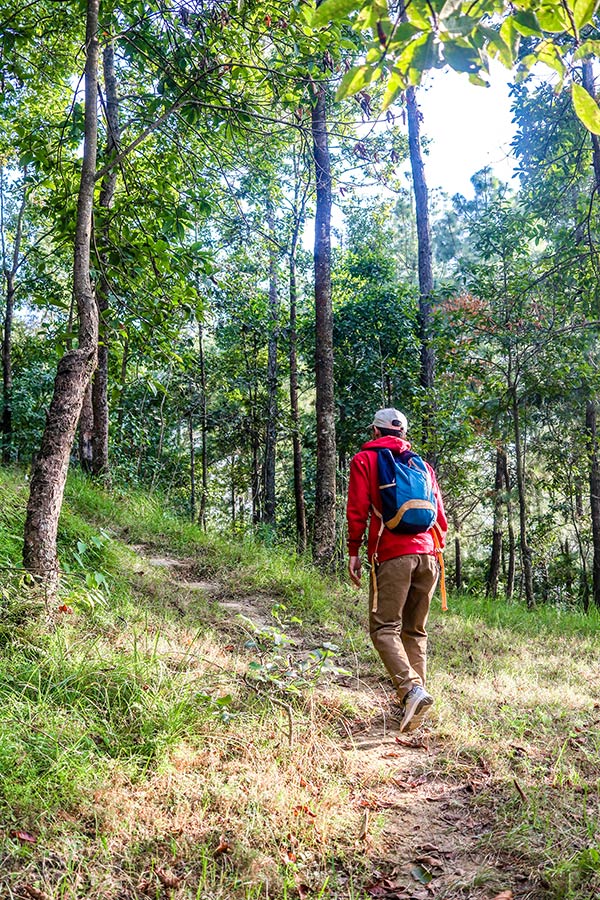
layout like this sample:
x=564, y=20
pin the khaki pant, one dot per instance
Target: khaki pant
x=405, y=586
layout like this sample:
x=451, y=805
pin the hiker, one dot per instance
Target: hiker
x=404, y=569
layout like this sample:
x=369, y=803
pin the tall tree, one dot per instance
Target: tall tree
x=49, y=471
x=324, y=521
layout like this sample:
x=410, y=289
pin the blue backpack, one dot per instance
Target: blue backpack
x=408, y=503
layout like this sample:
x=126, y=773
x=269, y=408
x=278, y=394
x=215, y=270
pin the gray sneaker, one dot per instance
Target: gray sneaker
x=416, y=705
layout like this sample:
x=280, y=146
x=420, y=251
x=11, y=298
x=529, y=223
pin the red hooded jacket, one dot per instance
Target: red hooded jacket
x=363, y=494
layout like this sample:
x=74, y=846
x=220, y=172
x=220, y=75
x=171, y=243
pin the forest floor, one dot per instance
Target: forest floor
x=421, y=829
x=204, y=718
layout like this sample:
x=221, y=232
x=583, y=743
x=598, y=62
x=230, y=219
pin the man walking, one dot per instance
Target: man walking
x=404, y=568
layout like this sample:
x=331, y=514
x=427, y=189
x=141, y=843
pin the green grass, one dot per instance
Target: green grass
x=132, y=744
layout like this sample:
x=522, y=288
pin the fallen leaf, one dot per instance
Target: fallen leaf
x=34, y=892
x=414, y=745
x=421, y=874
x=391, y=755
x=168, y=879
x=431, y=862
x=63, y=608
x=229, y=647
x=304, y=809
x=224, y=847
x=144, y=886
x=386, y=889
x=505, y=895
x=288, y=857
x=24, y=837
x=302, y=891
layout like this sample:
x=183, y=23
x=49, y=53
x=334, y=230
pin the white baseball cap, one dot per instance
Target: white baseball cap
x=390, y=418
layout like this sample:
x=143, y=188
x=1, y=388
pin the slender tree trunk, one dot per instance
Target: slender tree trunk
x=49, y=471
x=109, y=182
x=324, y=529
x=491, y=588
x=7, y=384
x=122, y=382
x=203, y=429
x=192, y=467
x=300, y=506
x=510, y=573
x=591, y=406
x=592, y=433
x=86, y=432
x=520, y=467
x=427, y=373
x=272, y=385
x=232, y=487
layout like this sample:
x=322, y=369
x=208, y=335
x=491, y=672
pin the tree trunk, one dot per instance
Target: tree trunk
x=591, y=429
x=203, y=429
x=520, y=468
x=300, y=506
x=86, y=432
x=591, y=407
x=491, y=587
x=272, y=411
x=427, y=373
x=107, y=193
x=10, y=275
x=510, y=573
x=122, y=382
x=324, y=529
x=192, y=467
x=49, y=471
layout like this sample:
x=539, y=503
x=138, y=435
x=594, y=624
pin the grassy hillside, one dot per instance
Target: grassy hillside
x=180, y=725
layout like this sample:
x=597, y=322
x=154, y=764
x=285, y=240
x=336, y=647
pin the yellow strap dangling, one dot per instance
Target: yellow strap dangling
x=440, y=558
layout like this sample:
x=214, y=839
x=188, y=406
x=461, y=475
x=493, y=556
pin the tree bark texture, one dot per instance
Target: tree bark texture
x=526, y=558
x=192, y=467
x=510, y=569
x=203, y=429
x=591, y=412
x=491, y=585
x=86, y=432
x=324, y=527
x=272, y=385
x=591, y=423
x=49, y=471
x=7, y=385
x=427, y=373
x=100, y=465
x=300, y=506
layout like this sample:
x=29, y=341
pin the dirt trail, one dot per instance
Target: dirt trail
x=422, y=830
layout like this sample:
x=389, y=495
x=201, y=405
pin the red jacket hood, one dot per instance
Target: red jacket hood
x=396, y=445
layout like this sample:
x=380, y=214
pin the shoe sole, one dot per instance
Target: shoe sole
x=413, y=716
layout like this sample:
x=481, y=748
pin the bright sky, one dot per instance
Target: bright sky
x=469, y=127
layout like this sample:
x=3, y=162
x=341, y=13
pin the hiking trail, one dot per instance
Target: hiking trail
x=423, y=831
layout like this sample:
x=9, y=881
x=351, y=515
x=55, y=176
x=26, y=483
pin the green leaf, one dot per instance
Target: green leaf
x=526, y=23
x=450, y=8
x=588, y=48
x=553, y=18
x=354, y=80
x=586, y=108
x=395, y=86
x=403, y=33
x=583, y=11
x=81, y=546
x=461, y=57
x=334, y=10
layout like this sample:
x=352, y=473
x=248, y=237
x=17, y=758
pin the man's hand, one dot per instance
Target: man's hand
x=354, y=570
